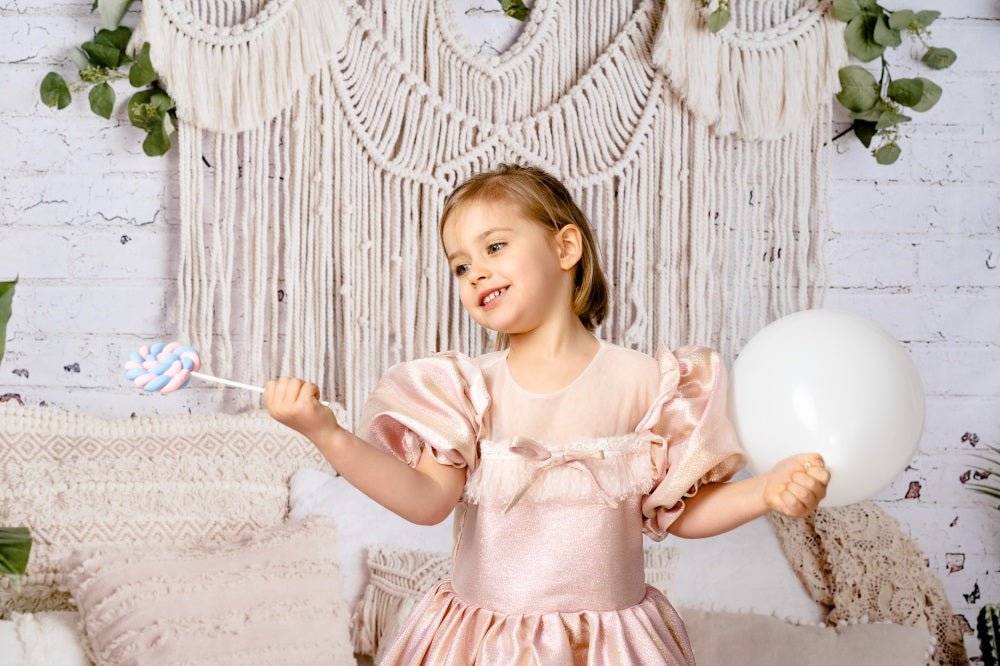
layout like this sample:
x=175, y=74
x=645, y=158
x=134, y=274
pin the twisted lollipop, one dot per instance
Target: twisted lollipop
x=168, y=367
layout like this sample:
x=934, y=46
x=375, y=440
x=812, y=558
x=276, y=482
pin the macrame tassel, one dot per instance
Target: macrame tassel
x=400, y=578
x=237, y=72
x=756, y=83
x=660, y=562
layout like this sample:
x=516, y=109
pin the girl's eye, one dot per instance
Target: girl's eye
x=495, y=247
x=461, y=269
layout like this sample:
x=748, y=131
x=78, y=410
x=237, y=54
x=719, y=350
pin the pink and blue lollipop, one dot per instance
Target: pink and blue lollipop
x=164, y=367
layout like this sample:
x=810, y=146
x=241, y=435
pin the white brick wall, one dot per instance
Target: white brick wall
x=89, y=224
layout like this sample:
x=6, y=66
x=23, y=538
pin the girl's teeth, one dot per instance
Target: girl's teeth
x=493, y=295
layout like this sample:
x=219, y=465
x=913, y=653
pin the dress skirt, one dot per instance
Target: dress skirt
x=446, y=630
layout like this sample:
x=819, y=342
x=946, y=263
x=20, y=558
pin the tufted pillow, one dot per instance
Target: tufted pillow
x=188, y=480
x=273, y=597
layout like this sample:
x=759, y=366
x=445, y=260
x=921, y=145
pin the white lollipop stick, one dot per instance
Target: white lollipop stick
x=226, y=382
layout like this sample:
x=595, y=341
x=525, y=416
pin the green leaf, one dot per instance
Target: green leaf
x=161, y=101
x=906, y=91
x=112, y=11
x=992, y=491
x=887, y=154
x=80, y=59
x=901, y=19
x=891, y=119
x=884, y=34
x=859, y=90
x=932, y=93
x=102, y=100
x=718, y=20
x=15, y=549
x=102, y=55
x=6, y=296
x=117, y=38
x=157, y=141
x=926, y=17
x=845, y=10
x=55, y=92
x=859, y=35
x=871, y=115
x=141, y=113
x=514, y=9
x=141, y=73
x=937, y=58
x=865, y=131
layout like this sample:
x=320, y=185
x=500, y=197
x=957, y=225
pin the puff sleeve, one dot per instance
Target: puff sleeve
x=692, y=439
x=439, y=402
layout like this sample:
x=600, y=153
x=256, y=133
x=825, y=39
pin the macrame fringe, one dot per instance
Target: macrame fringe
x=231, y=70
x=759, y=84
x=309, y=243
x=660, y=563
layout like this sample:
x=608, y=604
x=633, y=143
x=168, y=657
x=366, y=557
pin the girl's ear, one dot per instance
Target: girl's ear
x=569, y=244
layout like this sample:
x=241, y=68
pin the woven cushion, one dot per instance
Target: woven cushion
x=270, y=598
x=186, y=480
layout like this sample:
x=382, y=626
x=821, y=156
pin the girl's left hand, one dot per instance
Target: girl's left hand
x=795, y=486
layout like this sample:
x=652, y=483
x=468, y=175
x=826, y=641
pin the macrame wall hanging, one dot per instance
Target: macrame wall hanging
x=319, y=139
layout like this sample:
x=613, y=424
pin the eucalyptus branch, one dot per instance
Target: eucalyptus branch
x=103, y=60
x=876, y=106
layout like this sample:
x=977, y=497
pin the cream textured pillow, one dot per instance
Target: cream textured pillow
x=187, y=480
x=270, y=598
x=752, y=639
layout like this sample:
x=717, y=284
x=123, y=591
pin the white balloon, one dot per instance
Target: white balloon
x=831, y=382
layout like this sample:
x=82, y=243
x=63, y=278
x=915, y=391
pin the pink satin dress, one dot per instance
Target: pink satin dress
x=547, y=563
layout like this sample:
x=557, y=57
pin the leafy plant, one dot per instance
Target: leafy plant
x=15, y=548
x=102, y=60
x=875, y=106
x=719, y=18
x=15, y=542
x=988, y=625
x=514, y=9
x=6, y=297
x=994, y=471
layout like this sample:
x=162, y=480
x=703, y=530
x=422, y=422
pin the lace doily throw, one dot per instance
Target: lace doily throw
x=856, y=561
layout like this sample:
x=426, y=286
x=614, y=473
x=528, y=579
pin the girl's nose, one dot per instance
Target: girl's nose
x=478, y=272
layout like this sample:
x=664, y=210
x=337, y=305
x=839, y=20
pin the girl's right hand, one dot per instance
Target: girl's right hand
x=296, y=404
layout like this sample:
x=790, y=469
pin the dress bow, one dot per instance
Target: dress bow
x=545, y=460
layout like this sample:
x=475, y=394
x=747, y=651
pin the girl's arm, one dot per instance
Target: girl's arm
x=794, y=488
x=424, y=495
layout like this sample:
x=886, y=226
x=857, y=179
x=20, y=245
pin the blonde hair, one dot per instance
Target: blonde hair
x=542, y=198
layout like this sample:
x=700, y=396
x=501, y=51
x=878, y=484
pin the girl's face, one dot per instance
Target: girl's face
x=510, y=268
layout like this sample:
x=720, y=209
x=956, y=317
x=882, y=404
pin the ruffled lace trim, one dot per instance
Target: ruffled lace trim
x=599, y=469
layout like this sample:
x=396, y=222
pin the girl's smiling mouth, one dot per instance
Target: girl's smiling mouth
x=489, y=299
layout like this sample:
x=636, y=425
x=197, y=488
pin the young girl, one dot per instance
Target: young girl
x=555, y=453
